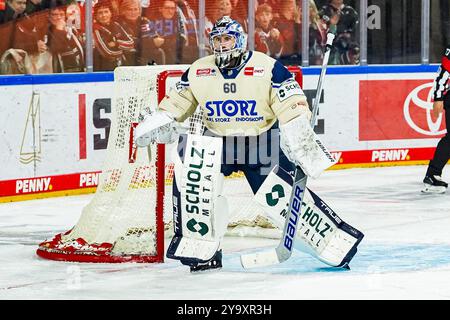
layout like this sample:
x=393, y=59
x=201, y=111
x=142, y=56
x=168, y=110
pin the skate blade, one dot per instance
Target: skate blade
x=433, y=189
x=206, y=270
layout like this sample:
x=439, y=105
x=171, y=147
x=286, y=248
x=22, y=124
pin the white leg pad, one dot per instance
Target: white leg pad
x=203, y=212
x=321, y=233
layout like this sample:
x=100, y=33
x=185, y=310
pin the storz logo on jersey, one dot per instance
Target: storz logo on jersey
x=239, y=110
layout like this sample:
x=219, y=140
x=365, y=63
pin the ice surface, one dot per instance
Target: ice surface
x=405, y=253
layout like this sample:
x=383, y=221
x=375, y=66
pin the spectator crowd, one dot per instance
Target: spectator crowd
x=48, y=36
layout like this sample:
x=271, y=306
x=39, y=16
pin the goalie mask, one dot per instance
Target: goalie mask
x=228, y=42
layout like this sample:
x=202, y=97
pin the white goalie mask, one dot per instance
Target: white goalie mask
x=228, y=42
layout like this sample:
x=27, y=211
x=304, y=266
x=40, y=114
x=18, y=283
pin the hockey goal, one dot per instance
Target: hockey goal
x=131, y=211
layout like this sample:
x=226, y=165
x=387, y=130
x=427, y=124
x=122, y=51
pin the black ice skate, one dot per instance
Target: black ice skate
x=214, y=263
x=434, y=184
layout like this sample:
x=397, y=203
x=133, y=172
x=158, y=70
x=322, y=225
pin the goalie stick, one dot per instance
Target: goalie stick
x=284, y=249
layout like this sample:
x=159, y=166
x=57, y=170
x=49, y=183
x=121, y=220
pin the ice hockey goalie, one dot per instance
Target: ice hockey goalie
x=256, y=118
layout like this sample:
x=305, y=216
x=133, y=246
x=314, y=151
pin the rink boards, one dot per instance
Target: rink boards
x=55, y=127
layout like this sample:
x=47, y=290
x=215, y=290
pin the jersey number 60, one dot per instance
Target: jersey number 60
x=229, y=87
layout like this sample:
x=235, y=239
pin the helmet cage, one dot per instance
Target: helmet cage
x=225, y=56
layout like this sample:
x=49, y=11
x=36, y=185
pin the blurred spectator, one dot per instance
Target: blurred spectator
x=169, y=25
x=8, y=17
x=213, y=13
x=64, y=43
x=289, y=24
x=274, y=4
x=36, y=5
x=30, y=36
x=267, y=38
x=14, y=59
x=216, y=9
x=146, y=46
x=14, y=10
x=73, y=17
x=192, y=44
x=346, y=49
x=348, y=16
x=317, y=35
x=131, y=21
x=225, y=8
x=115, y=6
x=237, y=10
x=331, y=17
x=110, y=39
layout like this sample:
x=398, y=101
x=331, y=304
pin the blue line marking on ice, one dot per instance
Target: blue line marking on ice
x=370, y=259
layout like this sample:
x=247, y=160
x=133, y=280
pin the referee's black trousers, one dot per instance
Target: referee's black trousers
x=442, y=152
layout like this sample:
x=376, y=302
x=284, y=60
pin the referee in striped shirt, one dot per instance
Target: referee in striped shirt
x=433, y=181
